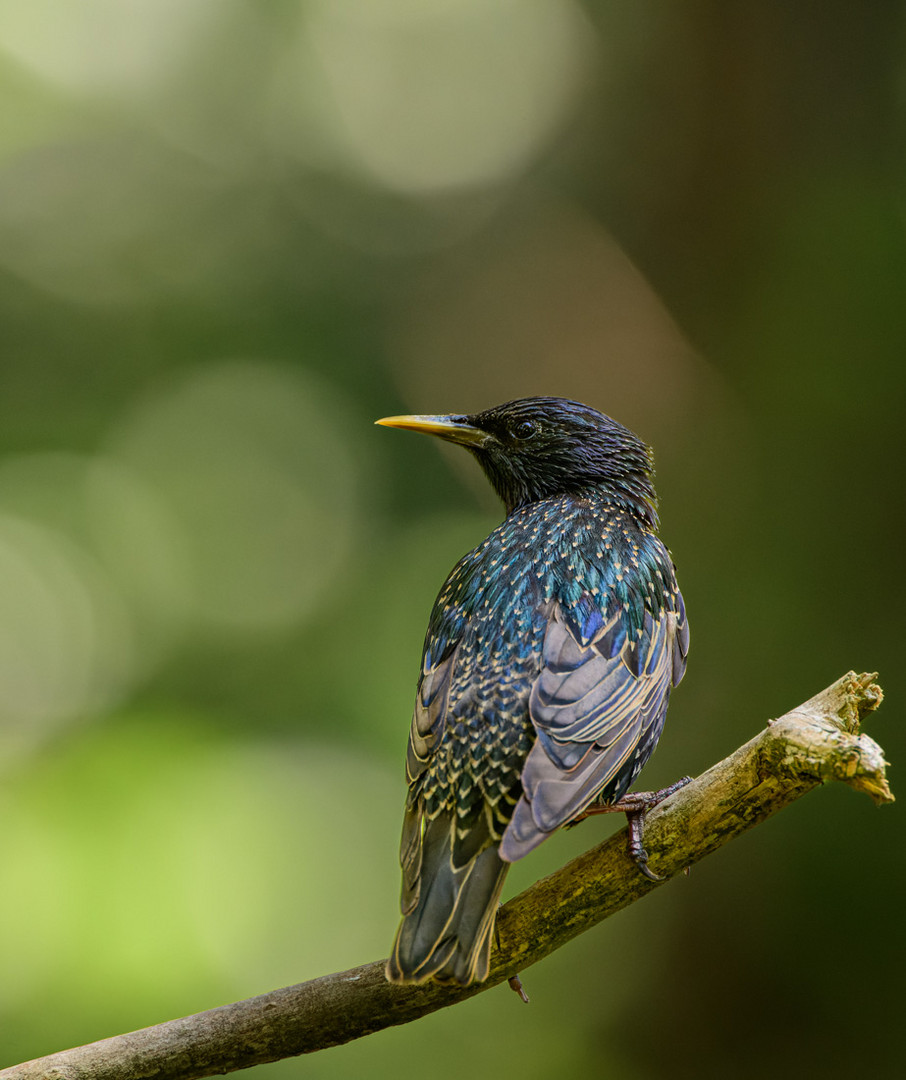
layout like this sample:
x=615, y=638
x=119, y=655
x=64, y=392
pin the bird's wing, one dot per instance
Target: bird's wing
x=598, y=707
x=425, y=732
x=430, y=711
x=452, y=876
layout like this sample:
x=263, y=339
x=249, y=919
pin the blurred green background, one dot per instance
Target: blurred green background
x=232, y=234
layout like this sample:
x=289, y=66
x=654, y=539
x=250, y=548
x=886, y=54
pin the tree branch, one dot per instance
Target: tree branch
x=815, y=743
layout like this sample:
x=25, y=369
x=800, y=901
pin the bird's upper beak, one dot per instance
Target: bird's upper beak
x=455, y=429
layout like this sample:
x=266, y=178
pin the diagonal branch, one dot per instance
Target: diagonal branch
x=815, y=743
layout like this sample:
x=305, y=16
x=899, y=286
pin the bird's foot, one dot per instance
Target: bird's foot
x=635, y=819
x=644, y=801
x=635, y=805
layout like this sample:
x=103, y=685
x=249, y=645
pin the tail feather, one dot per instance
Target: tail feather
x=449, y=911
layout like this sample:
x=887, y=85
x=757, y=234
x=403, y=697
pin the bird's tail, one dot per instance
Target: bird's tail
x=451, y=888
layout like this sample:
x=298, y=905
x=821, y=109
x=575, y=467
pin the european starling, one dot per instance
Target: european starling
x=547, y=666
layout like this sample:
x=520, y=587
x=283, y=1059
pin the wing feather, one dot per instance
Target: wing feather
x=428, y=719
x=598, y=709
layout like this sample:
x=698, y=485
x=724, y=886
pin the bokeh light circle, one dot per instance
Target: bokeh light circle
x=252, y=462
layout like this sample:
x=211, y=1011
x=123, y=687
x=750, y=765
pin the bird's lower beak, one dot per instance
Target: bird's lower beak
x=455, y=429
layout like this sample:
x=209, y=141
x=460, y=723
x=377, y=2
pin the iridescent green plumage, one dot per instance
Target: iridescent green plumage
x=548, y=663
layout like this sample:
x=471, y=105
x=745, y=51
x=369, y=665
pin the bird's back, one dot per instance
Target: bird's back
x=547, y=666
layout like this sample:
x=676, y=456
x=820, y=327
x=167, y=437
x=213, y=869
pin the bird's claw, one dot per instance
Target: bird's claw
x=636, y=805
x=641, y=861
x=635, y=850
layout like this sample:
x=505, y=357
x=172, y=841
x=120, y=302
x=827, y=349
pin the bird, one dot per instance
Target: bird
x=548, y=662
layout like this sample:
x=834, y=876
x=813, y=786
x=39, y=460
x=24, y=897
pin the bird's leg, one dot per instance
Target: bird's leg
x=635, y=805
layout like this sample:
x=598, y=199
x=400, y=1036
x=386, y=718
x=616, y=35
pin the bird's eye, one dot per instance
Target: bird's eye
x=525, y=429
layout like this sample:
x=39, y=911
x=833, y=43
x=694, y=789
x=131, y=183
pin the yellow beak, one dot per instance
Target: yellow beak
x=452, y=428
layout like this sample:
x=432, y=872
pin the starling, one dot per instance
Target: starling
x=547, y=666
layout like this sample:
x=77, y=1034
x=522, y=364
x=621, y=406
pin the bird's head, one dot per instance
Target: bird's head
x=537, y=448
